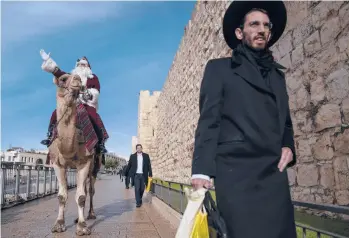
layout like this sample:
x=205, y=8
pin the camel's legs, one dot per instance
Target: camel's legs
x=77, y=219
x=82, y=173
x=60, y=172
x=91, y=212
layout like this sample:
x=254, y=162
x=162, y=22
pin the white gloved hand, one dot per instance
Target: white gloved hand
x=44, y=56
x=49, y=64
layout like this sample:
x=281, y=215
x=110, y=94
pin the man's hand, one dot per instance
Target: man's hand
x=199, y=183
x=44, y=56
x=286, y=157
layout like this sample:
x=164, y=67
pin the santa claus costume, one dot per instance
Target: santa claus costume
x=89, y=98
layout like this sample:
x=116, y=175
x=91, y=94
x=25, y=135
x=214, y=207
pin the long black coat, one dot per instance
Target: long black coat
x=242, y=128
x=132, y=166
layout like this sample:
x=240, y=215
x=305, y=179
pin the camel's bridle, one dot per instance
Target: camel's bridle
x=61, y=84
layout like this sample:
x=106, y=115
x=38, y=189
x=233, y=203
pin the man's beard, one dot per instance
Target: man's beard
x=83, y=72
x=249, y=42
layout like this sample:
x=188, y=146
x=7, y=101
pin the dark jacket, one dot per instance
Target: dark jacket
x=242, y=128
x=123, y=171
x=132, y=166
x=238, y=110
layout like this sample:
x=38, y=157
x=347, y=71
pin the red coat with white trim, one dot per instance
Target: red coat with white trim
x=92, y=85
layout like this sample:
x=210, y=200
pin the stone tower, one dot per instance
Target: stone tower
x=147, y=119
x=134, y=143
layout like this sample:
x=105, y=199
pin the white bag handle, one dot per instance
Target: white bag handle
x=195, y=205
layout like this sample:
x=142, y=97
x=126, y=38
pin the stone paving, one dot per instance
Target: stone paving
x=117, y=215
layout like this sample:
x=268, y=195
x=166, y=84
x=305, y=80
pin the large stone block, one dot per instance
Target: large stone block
x=323, y=62
x=338, y=84
x=327, y=176
x=303, y=31
x=302, y=97
x=304, y=152
x=286, y=61
x=341, y=172
x=323, y=11
x=302, y=123
x=303, y=195
x=317, y=90
x=343, y=40
x=312, y=44
x=295, y=80
x=330, y=30
x=328, y=116
x=341, y=142
x=307, y=175
x=285, y=44
x=323, y=148
x=344, y=15
x=297, y=56
x=298, y=10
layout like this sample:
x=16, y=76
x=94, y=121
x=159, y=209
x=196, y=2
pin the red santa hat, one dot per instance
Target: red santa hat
x=83, y=60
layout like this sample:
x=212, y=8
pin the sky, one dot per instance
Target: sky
x=130, y=46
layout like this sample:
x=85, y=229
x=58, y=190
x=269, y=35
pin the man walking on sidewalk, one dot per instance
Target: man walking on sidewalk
x=139, y=167
x=244, y=137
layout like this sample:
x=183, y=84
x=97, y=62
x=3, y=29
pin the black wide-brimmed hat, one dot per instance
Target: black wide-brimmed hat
x=238, y=9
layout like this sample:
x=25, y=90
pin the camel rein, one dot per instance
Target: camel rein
x=60, y=85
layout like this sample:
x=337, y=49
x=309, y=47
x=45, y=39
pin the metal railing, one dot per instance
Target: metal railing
x=24, y=182
x=176, y=199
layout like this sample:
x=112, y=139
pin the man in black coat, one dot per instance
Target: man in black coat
x=127, y=178
x=139, y=166
x=244, y=137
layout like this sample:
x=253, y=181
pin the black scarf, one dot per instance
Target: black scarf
x=262, y=59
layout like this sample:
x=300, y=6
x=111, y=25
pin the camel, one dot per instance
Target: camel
x=66, y=151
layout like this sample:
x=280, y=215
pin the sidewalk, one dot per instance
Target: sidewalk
x=117, y=215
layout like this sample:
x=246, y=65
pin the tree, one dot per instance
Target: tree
x=111, y=164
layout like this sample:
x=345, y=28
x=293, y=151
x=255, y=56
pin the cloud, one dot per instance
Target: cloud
x=28, y=19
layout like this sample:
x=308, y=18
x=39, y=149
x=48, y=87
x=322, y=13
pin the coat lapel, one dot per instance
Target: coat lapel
x=250, y=74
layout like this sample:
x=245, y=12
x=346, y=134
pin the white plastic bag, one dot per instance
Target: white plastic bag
x=195, y=201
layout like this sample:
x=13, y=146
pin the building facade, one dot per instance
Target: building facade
x=20, y=155
x=120, y=160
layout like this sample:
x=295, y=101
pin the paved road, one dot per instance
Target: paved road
x=117, y=216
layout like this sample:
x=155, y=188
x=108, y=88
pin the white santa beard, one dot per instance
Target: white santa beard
x=83, y=72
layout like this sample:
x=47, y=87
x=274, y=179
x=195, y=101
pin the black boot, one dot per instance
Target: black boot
x=101, y=145
x=102, y=148
x=47, y=141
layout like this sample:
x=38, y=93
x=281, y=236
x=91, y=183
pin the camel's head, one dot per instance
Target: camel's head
x=68, y=87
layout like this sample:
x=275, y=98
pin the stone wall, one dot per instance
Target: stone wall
x=315, y=49
x=147, y=119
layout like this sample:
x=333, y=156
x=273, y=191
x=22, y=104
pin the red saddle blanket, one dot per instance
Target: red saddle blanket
x=85, y=125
